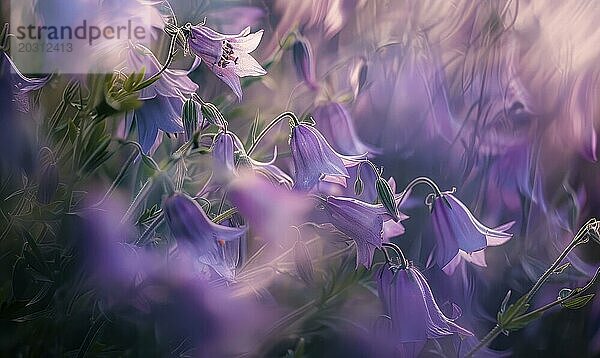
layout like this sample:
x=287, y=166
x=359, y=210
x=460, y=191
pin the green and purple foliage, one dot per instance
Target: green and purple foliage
x=156, y=209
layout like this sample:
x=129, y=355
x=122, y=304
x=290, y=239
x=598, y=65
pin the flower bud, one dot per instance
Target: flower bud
x=358, y=76
x=358, y=186
x=212, y=114
x=304, y=61
x=189, y=115
x=386, y=196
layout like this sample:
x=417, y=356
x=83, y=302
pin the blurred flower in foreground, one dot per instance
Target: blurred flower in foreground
x=315, y=160
x=190, y=226
x=363, y=223
x=165, y=292
x=163, y=100
x=21, y=85
x=227, y=55
x=334, y=121
x=270, y=210
x=414, y=315
x=461, y=235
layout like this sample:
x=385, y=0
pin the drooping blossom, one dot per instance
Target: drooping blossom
x=363, y=223
x=414, y=315
x=227, y=55
x=229, y=153
x=460, y=235
x=190, y=226
x=165, y=291
x=304, y=61
x=162, y=100
x=315, y=160
x=21, y=85
x=333, y=120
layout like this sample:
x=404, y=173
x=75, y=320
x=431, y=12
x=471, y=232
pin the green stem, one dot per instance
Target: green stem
x=579, y=238
x=155, y=76
x=576, y=241
x=403, y=261
x=119, y=177
x=270, y=126
x=225, y=215
x=422, y=180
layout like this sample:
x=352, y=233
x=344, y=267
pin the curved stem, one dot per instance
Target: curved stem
x=487, y=339
x=403, y=261
x=270, y=126
x=422, y=180
x=155, y=76
x=576, y=241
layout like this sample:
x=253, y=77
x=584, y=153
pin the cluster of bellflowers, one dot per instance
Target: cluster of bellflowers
x=327, y=180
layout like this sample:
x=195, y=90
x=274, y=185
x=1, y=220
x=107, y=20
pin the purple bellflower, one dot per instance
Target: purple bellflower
x=189, y=225
x=363, y=223
x=21, y=85
x=460, y=235
x=227, y=55
x=229, y=153
x=162, y=100
x=315, y=160
x=304, y=61
x=413, y=312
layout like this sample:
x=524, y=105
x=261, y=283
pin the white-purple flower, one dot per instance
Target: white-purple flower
x=227, y=55
x=460, y=235
x=189, y=225
x=363, y=223
x=413, y=312
x=315, y=160
x=162, y=100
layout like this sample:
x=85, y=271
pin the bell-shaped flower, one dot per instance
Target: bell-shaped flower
x=413, y=311
x=227, y=55
x=189, y=225
x=21, y=85
x=362, y=222
x=229, y=153
x=461, y=235
x=304, y=61
x=162, y=101
x=315, y=160
x=334, y=121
